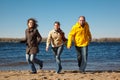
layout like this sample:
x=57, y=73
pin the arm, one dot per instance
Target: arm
x=63, y=35
x=90, y=37
x=70, y=37
x=89, y=34
x=25, y=39
x=48, y=41
x=39, y=37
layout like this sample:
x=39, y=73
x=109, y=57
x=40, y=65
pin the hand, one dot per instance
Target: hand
x=68, y=47
x=47, y=48
x=90, y=40
x=22, y=41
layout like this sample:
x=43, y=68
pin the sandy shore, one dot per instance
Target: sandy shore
x=64, y=75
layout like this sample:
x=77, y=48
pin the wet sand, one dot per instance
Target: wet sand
x=64, y=75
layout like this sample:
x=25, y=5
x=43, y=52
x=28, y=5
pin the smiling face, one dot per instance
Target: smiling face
x=30, y=24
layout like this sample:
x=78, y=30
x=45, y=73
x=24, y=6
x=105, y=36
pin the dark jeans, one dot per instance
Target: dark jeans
x=57, y=52
x=82, y=53
x=31, y=59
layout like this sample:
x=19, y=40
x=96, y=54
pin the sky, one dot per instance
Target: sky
x=103, y=16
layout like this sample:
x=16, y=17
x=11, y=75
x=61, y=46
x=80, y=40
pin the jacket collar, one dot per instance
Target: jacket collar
x=78, y=25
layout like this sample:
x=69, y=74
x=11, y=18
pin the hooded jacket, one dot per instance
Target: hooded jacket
x=80, y=35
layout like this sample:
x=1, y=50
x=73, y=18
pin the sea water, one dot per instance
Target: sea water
x=101, y=56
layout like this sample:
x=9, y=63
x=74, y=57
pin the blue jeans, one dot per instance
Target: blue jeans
x=57, y=52
x=31, y=59
x=82, y=53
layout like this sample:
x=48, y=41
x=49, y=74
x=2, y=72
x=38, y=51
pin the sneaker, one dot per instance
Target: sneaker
x=57, y=73
x=59, y=70
x=33, y=72
x=81, y=70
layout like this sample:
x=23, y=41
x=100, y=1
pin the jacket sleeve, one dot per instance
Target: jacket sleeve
x=89, y=34
x=48, y=40
x=24, y=40
x=39, y=37
x=63, y=36
x=90, y=37
x=71, y=36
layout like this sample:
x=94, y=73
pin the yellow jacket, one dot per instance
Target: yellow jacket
x=80, y=35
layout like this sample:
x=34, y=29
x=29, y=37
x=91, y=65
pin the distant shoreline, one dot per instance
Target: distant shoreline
x=44, y=39
x=16, y=39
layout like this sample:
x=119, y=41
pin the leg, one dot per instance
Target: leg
x=57, y=52
x=58, y=59
x=32, y=59
x=39, y=62
x=29, y=59
x=84, y=51
x=79, y=56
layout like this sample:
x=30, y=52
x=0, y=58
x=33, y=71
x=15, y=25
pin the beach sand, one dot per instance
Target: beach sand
x=64, y=75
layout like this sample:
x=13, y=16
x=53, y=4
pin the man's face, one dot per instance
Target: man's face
x=81, y=21
x=56, y=26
